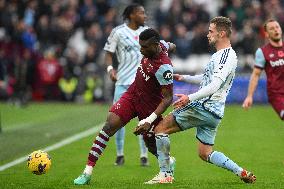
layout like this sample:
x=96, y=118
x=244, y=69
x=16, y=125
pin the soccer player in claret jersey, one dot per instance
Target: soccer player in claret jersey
x=147, y=98
x=124, y=42
x=270, y=58
x=203, y=109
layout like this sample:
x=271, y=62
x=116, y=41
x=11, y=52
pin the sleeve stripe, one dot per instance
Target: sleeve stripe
x=224, y=56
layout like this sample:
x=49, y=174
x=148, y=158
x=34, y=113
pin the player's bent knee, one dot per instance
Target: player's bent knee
x=167, y=125
x=113, y=124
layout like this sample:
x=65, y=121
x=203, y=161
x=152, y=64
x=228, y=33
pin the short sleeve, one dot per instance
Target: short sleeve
x=224, y=65
x=112, y=41
x=165, y=44
x=259, y=58
x=164, y=74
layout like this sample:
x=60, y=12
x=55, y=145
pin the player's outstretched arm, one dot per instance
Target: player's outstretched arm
x=206, y=91
x=196, y=79
x=251, y=88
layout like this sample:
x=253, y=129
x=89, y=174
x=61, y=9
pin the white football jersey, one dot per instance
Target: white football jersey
x=222, y=64
x=124, y=42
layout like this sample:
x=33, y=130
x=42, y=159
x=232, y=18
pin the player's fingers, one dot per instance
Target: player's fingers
x=137, y=131
x=177, y=105
x=176, y=102
x=179, y=95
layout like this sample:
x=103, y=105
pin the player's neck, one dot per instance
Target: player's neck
x=223, y=45
x=132, y=25
x=276, y=43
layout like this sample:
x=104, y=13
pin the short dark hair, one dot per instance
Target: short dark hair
x=267, y=21
x=129, y=10
x=222, y=24
x=149, y=33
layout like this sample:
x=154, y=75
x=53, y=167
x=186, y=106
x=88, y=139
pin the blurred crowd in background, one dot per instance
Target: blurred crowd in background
x=52, y=49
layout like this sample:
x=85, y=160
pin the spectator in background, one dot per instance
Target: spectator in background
x=166, y=33
x=247, y=46
x=48, y=72
x=44, y=33
x=182, y=41
x=3, y=75
x=199, y=43
x=22, y=77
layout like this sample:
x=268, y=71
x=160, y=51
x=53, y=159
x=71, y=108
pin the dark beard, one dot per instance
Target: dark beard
x=276, y=40
x=211, y=48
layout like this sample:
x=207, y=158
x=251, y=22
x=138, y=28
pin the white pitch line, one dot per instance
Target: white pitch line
x=56, y=145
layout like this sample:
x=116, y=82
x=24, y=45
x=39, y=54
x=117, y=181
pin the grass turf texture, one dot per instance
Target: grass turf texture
x=254, y=139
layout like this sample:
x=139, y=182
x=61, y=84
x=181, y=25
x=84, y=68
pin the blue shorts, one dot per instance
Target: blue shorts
x=118, y=92
x=194, y=115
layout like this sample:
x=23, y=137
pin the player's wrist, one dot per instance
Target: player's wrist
x=191, y=97
x=151, y=118
x=109, y=68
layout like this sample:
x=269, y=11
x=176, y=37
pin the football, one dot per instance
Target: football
x=39, y=162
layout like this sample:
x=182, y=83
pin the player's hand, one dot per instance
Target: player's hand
x=178, y=77
x=142, y=128
x=112, y=75
x=182, y=101
x=247, y=103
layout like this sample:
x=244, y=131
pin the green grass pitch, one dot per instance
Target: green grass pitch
x=254, y=139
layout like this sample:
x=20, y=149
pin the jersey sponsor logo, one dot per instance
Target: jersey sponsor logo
x=279, y=62
x=168, y=75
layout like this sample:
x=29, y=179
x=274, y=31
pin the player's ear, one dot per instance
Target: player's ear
x=266, y=34
x=222, y=33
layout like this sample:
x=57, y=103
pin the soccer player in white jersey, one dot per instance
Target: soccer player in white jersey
x=124, y=43
x=203, y=109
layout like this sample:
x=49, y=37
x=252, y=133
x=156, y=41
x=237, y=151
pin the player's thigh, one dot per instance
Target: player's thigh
x=168, y=125
x=207, y=130
x=277, y=103
x=188, y=117
x=124, y=109
x=196, y=116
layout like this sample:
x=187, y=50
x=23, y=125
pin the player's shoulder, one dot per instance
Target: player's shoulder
x=225, y=53
x=164, y=59
x=119, y=28
x=266, y=46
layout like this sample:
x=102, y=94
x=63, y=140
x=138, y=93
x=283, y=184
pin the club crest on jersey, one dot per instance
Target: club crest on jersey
x=168, y=75
x=117, y=106
x=149, y=67
x=280, y=54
